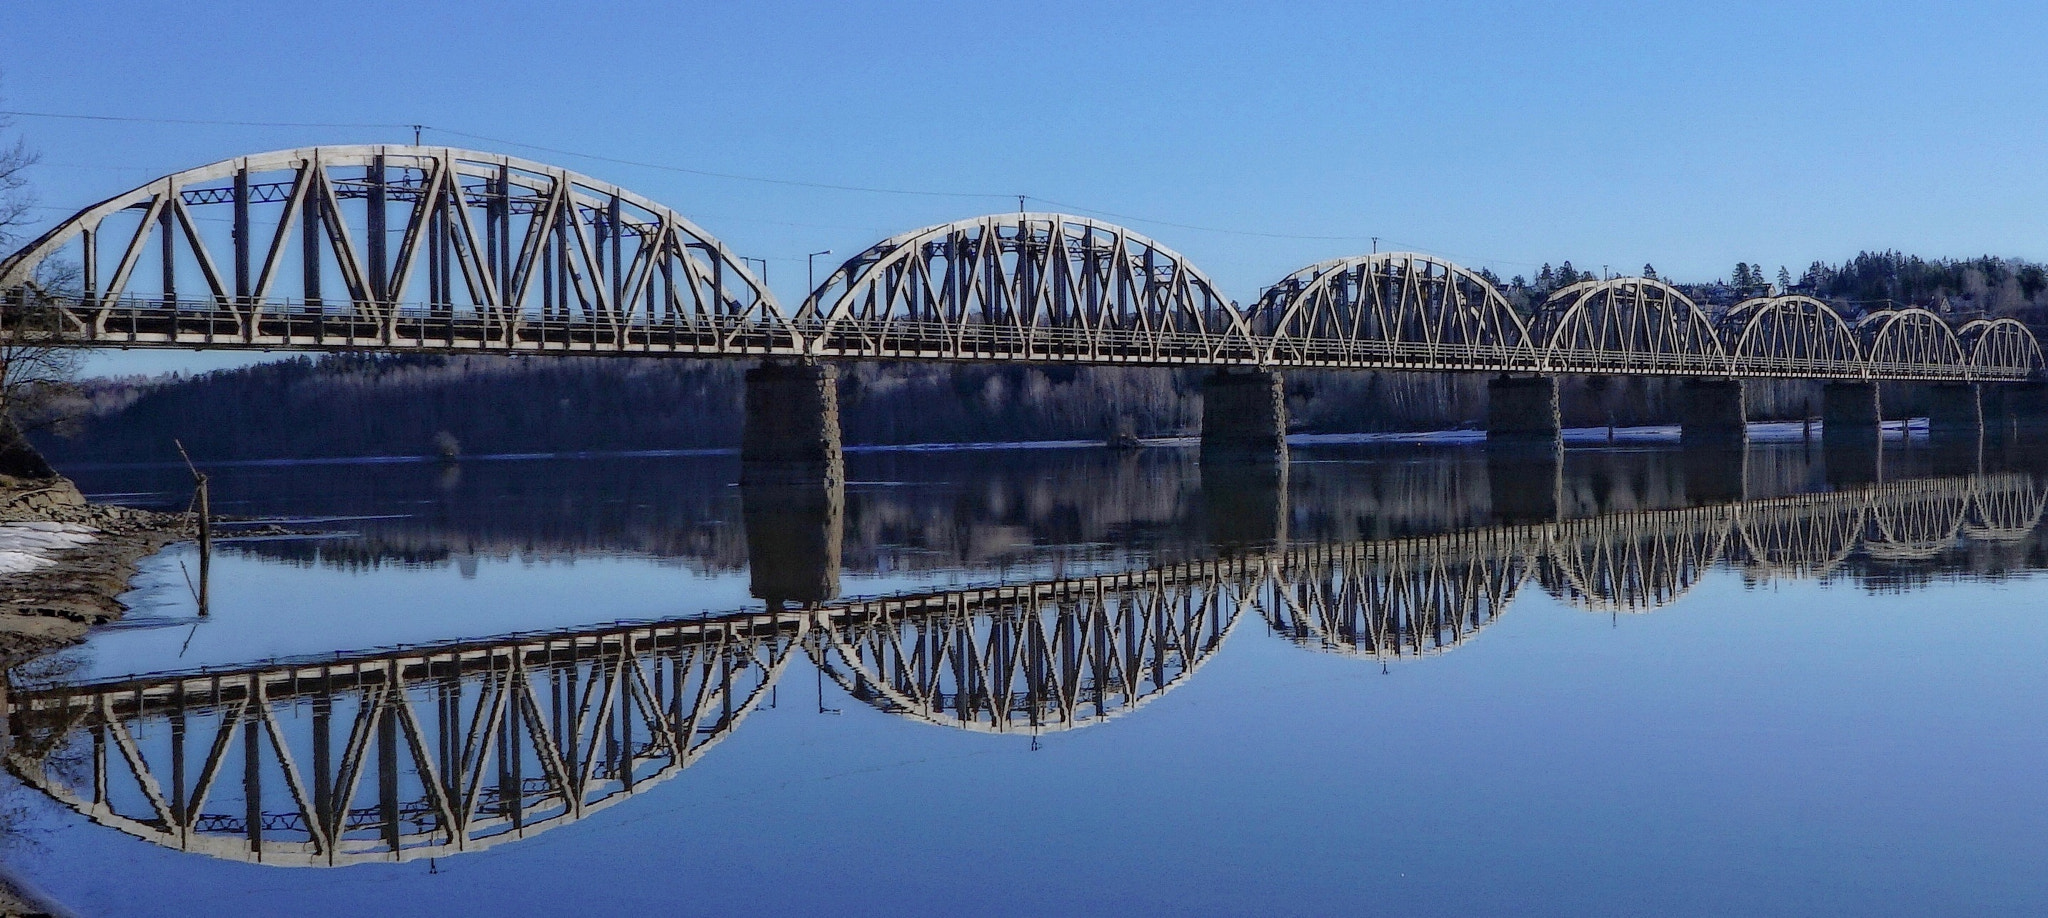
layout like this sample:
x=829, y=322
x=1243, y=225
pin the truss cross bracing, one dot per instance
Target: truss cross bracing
x=395, y=248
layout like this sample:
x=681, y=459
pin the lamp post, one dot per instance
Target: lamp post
x=811, y=267
x=763, y=262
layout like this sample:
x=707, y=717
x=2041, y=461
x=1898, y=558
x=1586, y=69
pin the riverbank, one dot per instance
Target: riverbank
x=64, y=562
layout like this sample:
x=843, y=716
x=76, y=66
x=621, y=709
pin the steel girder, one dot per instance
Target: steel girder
x=392, y=248
x=382, y=248
x=1037, y=287
x=1393, y=310
x=1912, y=343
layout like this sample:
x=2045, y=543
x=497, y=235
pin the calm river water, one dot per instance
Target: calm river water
x=1397, y=679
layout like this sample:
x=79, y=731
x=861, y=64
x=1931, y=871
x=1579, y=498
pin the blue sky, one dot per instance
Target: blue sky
x=1497, y=134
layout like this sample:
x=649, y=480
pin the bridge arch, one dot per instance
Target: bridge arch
x=389, y=244
x=1075, y=654
x=1638, y=562
x=1800, y=537
x=1391, y=309
x=2005, y=507
x=482, y=743
x=1413, y=598
x=1918, y=520
x=2000, y=349
x=1630, y=325
x=1793, y=336
x=1027, y=286
x=1912, y=343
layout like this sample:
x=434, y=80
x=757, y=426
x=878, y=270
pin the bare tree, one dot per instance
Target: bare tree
x=15, y=197
x=34, y=369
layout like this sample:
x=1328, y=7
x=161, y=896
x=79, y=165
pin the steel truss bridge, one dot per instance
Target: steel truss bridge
x=393, y=248
x=420, y=752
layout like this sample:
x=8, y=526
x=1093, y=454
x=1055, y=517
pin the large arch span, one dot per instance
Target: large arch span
x=384, y=248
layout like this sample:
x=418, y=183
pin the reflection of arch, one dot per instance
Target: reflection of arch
x=400, y=246
x=1391, y=309
x=1912, y=344
x=1636, y=562
x=1916, y=521
x=1025, y=286
x=1795, y=336
x=2005, y=508
x=2001, y=349
x=402, y=755
x=1800, y=537
x=1410, y=598
x=1038, y=658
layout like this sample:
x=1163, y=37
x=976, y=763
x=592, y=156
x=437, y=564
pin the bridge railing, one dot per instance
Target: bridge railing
x=342, y=324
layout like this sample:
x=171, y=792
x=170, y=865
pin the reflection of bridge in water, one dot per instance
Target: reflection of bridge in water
x=423, y=752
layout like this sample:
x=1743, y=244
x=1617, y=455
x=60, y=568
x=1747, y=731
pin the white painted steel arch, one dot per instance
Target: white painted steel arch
x=1629, y=325
x=1391, y=310
x=1914, y=343
x=2001, y=348
x=1791, y=336
x=1025, y=286
x=366, y=247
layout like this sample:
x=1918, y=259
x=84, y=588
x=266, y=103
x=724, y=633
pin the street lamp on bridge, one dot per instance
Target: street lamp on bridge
x=811, y=267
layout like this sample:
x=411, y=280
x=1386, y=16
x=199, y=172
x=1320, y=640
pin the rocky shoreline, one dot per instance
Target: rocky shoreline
x=58, y=597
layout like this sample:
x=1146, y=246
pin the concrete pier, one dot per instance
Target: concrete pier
x=792, y=420
x=1244, y=417
x=2016, y=412
x=1849, y=415
x=1955, y=413
x=1712, y=414
x=1522, y=410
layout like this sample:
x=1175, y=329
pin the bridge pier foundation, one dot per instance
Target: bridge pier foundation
x=2017, y=412
x=1522, y=410
x=1244, y=417
x=1955, y=413
x=792, y=422
x=1851, y=433
x=1712, y=413
x=1849, y=415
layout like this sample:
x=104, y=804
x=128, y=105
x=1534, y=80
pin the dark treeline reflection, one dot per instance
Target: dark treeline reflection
x=991, y=509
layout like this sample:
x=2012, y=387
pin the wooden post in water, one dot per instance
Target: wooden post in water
x=205, y=506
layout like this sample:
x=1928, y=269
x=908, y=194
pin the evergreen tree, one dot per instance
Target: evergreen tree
x=1567, y=275
x=1649, y=272
x=1546, y=279
x=1784, y=279
x=1742, y=279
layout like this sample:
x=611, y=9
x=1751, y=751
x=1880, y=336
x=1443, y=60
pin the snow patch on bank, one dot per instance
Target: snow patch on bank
x=25, y=546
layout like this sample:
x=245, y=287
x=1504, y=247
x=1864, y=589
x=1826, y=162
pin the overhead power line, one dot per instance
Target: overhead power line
x=708, y=173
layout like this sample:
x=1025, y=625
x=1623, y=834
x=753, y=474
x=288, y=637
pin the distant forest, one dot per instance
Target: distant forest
x=409, y=405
